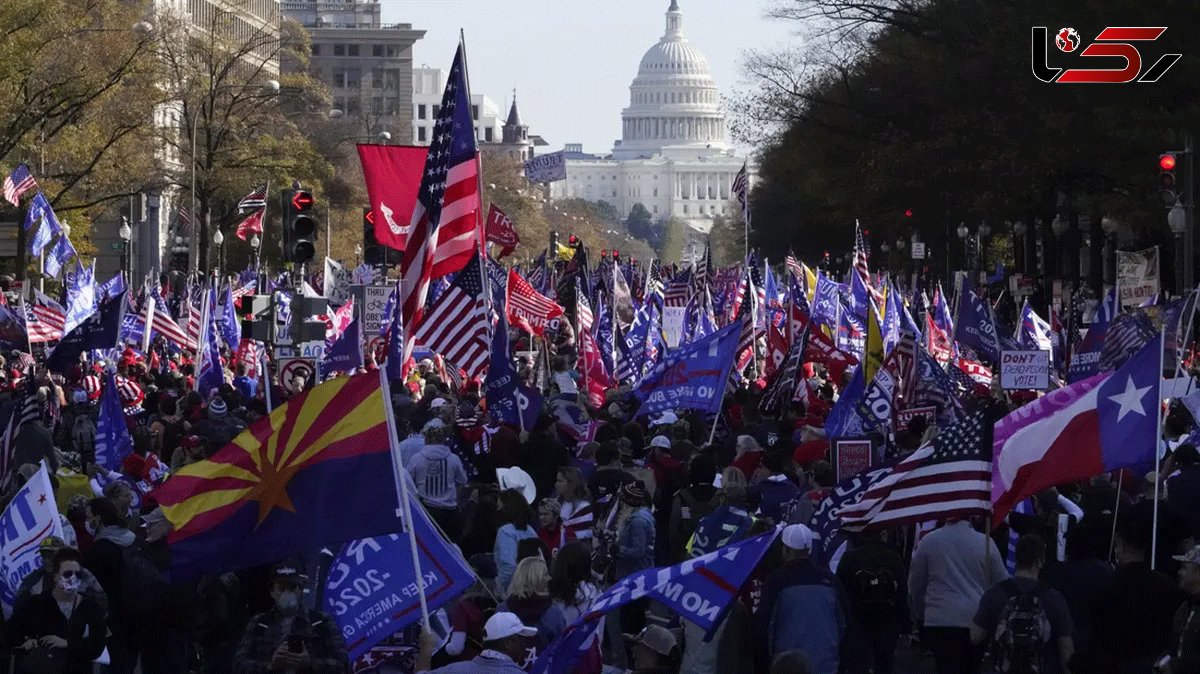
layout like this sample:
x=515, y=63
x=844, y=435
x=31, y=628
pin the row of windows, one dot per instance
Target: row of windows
x=675, y=97
x=351, y=78
x=390, y=51
x=488, y=134
x=380, y=105
x=422, y=109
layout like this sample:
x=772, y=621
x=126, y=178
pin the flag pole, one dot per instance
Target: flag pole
x=266, y=379
x=1112, y=539
x=404, y=508
x=1157, y=449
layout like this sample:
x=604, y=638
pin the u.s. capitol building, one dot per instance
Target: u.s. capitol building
x=673, y=157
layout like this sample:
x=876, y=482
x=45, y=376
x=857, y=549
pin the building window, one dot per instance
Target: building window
x=421, y=111
x=656, y=191
x=391, y=106
x=656, y=210
x=377, y=50
x=316, y=50
x=339, y=50
x=377, y=105
x=339, y=79
x=685, y=209
x=487, y=134
x=421, y=134
x=437, y=110
x=352, y=50
x=353, y=106
x=614, y=193
x=475, y=112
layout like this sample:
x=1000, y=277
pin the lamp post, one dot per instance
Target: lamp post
x=981, y=234
x=963, y=232
x=1019, y=230
x=126, y=233
x=1058, y=227
x=1110, y=226
x=1177, y=220
x=219, y=240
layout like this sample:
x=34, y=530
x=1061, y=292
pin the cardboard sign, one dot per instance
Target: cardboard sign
x=852, y=456
x=1025, y=370
x=905, y=417
x=918, y=250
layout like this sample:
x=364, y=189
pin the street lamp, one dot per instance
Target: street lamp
x=219, y=240
x=126, y=233
x=1019, y=229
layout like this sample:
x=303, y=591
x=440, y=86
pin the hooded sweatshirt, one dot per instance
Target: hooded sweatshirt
x=437, y=472
x=105, y=559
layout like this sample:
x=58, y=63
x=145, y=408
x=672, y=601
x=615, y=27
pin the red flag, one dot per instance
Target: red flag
x=526, y=308
x=393, y=174
x=591, y=365
x=251, y=225
x=500, y=230
x=820, y=349
x=777, y=350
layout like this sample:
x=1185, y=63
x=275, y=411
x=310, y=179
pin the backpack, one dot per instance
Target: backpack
x=142, y=583
x=1022, y=633
x=873, y=592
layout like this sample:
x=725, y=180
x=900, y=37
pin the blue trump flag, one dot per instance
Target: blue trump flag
x=692, y=376
x=372, y=590
x=99, y=331
x=345, y=355
x=699, y=590
x=510, y=401
x=81, y=295
x=975, y=326
x=227, y=320
x=113, y=442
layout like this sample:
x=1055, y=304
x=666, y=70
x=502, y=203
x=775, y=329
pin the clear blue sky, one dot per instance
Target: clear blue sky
x=572, y=61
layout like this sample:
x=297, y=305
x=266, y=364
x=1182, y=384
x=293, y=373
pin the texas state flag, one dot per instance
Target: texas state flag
x=1103, y=423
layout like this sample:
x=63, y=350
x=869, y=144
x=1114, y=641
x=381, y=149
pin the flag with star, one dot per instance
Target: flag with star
x=1098, y=425
x=280, y=488
x=951, y=476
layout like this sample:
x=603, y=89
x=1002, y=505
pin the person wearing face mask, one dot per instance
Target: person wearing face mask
x=105, y=559
x=61, y=630
x=40, y=579
x=290, y=638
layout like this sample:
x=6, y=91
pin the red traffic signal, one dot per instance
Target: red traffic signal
x=1167, y=162
x=573, y=239
x=302, y=200
x=603, y=252
x=908, y=212
x=616, y=253
x=369, y=216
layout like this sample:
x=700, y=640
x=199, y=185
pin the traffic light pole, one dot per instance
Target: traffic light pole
x=1189, y=236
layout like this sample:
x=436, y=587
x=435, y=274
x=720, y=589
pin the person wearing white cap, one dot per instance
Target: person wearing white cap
x=804, y=606
x=505, y=648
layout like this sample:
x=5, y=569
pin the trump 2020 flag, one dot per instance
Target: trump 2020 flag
x=31, y=516
x=1098, y=425
x=345, y=354
x=372, y=587
x=99, y=331
x=699, y=590
x=113, y=442
x=693, y=376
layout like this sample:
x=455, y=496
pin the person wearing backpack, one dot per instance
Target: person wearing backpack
x=875, y=582
x=691, y=504
x=1025, y=623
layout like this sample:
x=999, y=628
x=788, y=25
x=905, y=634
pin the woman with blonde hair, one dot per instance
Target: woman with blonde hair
x=529, y=598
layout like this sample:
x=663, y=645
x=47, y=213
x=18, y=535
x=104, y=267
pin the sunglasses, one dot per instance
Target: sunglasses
x=68, y=573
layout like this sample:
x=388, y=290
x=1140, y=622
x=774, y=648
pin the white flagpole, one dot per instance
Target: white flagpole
x=149, y=322
x=404, y=511
x=1157, y=449
x=266, y=379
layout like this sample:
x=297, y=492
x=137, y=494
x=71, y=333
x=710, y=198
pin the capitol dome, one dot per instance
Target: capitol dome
x=673, y=101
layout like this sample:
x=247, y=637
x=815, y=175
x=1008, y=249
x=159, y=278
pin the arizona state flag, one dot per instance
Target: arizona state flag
x=316, y=472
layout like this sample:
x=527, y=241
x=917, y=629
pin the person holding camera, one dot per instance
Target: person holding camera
x=289, y=638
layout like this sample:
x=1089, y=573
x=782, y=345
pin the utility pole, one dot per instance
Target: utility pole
x=1189, y=236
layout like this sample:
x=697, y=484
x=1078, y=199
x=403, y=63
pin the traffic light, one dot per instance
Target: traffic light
x=1166, y=178
x=299, y=226
x=572, y=240
x=374, y=252
x=908, y=213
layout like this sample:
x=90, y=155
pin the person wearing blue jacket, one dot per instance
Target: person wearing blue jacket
x=804, y=606
x=635, y=547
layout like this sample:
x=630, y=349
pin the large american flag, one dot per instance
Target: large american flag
x=17, y=183
x=44, y=319
x=741, y=190
x=679, y=289
x=583, y=308
x=524, y=303
x=949, y=477
x=445, y=217
x=456, y=326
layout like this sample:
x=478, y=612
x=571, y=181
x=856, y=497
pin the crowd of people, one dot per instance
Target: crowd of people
x=548, y=520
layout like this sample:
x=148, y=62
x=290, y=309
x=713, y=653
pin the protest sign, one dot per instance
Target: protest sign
x=853, y=456
x=1025, y=370
x=1137, y=275
x=29, y=518
x=904, y=417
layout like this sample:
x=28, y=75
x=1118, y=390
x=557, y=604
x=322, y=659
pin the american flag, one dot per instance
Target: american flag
x=444, y=218
x=793, y=265
x=949, y=477
x=654, y=283
x=578, y=522
x=162, y=322
x=1126, y=335
x=246, y=286
x=583, y=308
x=24, y=410
x=17, y=183
x=703, y=269
x=523, y=302
x=457, y=325
x=44, y=319
x=191, y=313
x=741, y=190
x=860, y=255
x=257, y=198
x=184, y=223
x=678, y=290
